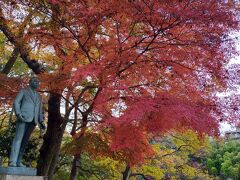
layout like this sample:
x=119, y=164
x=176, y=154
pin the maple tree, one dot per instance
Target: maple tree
x=134, y=68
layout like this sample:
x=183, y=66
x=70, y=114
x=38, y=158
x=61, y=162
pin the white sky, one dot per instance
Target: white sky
x=226, y=126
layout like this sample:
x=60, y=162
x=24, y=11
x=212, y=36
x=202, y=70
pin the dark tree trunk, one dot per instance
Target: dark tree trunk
x=75, y=166
x=54, y=162
x=127, y=173
x=55, y=158
x=11, y=61
x=53, y=136
x=76, y=159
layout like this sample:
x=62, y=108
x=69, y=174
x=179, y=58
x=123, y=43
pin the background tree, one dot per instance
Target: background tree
x=176, y=157
x=224, y=159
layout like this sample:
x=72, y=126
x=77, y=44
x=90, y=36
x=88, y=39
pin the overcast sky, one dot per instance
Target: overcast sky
x=225, y=126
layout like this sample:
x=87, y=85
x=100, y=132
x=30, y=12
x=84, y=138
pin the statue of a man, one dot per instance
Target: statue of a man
x=28, y=109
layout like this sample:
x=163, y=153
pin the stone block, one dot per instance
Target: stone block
x=18, y=177
x=25, y=171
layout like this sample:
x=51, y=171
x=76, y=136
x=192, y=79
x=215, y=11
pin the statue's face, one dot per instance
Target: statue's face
x=34, y=83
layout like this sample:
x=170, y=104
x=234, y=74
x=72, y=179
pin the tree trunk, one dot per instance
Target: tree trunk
x=53, y=136
x=54, y=162
x=75, y=166
x=55, y=158
x=127, y=173
x=76, y=160
x=11, y=61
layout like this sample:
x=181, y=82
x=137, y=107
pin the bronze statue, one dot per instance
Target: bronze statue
x=28, y=109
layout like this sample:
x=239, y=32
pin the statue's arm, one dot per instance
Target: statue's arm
x=17, y=102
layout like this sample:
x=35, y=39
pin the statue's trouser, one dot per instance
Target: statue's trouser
x=23, y=132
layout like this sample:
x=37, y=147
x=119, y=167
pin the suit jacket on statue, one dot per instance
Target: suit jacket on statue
x=28, y=103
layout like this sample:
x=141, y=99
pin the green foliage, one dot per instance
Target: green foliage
x=63, y=168
x=99, y=168
x=94, y=169
x=19, y=68
x=224, y=159
x=93, y=163
x=6, y=136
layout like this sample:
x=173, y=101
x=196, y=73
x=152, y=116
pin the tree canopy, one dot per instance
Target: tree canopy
x=131, y=69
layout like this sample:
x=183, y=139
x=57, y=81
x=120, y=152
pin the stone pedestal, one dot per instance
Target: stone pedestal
x=25, y=171
x=19, y=173
x=18, y=177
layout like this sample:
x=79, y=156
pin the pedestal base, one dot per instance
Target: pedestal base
x=25, y=171
x=18, y=177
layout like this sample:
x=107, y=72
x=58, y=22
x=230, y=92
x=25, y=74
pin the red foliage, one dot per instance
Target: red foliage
x=9, y=88
x=155, y=116
x=131, y=141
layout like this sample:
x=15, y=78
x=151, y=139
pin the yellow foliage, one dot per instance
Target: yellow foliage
x=111, y=165
x=172, y=156
x=151, y=170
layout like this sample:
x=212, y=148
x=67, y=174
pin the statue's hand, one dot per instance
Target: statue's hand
x=20, y=117
x=42, y=125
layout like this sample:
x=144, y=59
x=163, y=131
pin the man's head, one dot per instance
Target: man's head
x=34, y=82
